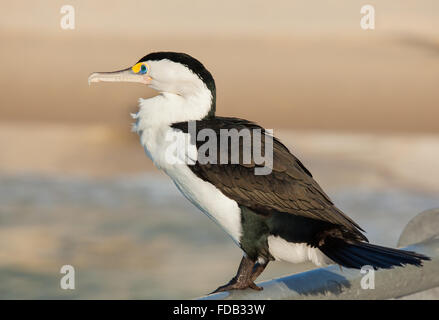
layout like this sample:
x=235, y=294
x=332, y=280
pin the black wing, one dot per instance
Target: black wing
x=289, y=188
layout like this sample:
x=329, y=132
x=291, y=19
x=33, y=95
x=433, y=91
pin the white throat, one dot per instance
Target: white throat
x=167, y=108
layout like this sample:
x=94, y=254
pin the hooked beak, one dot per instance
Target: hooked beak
x=126, y=75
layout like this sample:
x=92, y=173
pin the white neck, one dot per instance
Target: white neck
x=157, y=114
x=167, y=108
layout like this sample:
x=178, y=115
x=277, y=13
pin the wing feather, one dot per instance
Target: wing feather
x=289, y=188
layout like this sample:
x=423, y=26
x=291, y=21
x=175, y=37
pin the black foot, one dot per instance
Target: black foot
x=247, y=273
x=238, y=285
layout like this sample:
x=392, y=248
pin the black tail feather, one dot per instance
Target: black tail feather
x=358, y=254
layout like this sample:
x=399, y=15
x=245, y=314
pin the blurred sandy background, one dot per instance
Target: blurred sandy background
x=360, y=108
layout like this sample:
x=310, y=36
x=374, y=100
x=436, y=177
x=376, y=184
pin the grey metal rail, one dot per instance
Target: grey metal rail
x=335, y=283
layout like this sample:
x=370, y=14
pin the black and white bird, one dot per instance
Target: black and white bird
x=284, y=215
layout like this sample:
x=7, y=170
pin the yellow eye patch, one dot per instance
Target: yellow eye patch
x=140, y=67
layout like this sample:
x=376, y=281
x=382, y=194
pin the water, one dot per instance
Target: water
x=137, y=237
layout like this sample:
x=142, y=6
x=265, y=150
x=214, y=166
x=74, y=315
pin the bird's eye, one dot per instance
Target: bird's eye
x=143, y=69
x=140, y=68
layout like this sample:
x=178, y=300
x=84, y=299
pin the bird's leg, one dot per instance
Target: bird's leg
x=243, y=278
x=258, y=269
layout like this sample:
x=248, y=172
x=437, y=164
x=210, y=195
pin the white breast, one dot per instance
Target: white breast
x=209, y=200
x=158, y=140
x=202, y=194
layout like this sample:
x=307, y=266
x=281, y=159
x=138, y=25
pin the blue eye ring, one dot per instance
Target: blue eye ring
x=143, y=69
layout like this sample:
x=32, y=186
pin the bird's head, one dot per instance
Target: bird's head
x=167, y=72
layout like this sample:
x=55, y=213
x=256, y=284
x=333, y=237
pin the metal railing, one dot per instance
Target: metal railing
x=334, y=282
